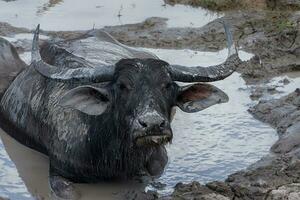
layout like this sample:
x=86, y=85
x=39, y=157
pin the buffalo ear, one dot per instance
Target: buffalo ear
x=87, y=99
x=197, y=97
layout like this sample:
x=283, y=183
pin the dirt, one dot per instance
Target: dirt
x=273, y=37
x=274, y=177
x=221, y=5
x=259, y=91
x=224, y=5
x=8, y=30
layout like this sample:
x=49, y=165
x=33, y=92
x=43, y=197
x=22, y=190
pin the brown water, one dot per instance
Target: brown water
x=76, y=15
x=26, y=174
x=207, y=146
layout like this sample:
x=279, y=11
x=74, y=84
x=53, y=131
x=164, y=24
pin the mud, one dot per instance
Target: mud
x=277, y=51
x=275, y=176
x=224, y=5
x=284, y=115
x=9, y=30
x=221, y=5
x=274, y=38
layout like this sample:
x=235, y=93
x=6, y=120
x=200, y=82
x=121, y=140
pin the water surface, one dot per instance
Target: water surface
x=221, y=139
x=208, y=145
x=83, y=15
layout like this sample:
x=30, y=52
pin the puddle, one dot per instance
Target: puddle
x=24, y=36
x=277, y=87
x=79, y=15
x=285, y=88
x=19, y=166
x=208, y=145
x=219, y=140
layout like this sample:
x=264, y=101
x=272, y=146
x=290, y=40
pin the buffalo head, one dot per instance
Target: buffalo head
x=140, y=93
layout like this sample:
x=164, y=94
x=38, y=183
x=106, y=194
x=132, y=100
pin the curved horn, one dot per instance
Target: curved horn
x=212, y=73
x=86, y=73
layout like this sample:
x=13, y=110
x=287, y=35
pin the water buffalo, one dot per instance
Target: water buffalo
x=102, y=111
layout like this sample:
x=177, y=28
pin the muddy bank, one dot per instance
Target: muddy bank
x=223, y=5
x=276, y=176
x=272, y=36
x=9, y=30
x=284, y=115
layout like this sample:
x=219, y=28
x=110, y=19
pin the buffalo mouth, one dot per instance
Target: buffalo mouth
x=154, y=140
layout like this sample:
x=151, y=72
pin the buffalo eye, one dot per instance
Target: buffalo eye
x=167, y=86
x=123, y=87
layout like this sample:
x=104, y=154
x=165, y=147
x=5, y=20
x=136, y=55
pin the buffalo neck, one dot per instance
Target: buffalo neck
x=110, y=146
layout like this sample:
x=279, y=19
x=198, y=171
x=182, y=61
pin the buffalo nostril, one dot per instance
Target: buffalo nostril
x=142, y=123
x=162, y=124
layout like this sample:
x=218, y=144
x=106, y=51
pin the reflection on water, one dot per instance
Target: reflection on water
x=208, y=145
x=83, y=15
x=275, y=87
x=30, y=165
x=33, y=167
x=47, y=6
x=281, y=87
x=219, y=140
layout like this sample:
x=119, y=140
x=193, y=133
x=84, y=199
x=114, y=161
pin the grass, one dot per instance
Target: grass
x=217, y=5
x=214, y=4
x=222, y=5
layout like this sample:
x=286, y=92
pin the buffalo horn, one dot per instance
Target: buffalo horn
x=86, y=73
x=212, y=73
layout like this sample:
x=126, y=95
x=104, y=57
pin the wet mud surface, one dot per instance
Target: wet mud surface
x=275, y=176
x=274, y=38
x=223, y=5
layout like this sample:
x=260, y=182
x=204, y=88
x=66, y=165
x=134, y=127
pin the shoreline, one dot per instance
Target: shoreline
x=276, y=46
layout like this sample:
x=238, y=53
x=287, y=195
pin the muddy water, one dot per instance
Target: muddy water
x=76, y=15
x=225, y=135
x=208, y=145
x=283, y=88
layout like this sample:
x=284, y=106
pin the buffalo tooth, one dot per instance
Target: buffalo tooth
x=155, y=139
